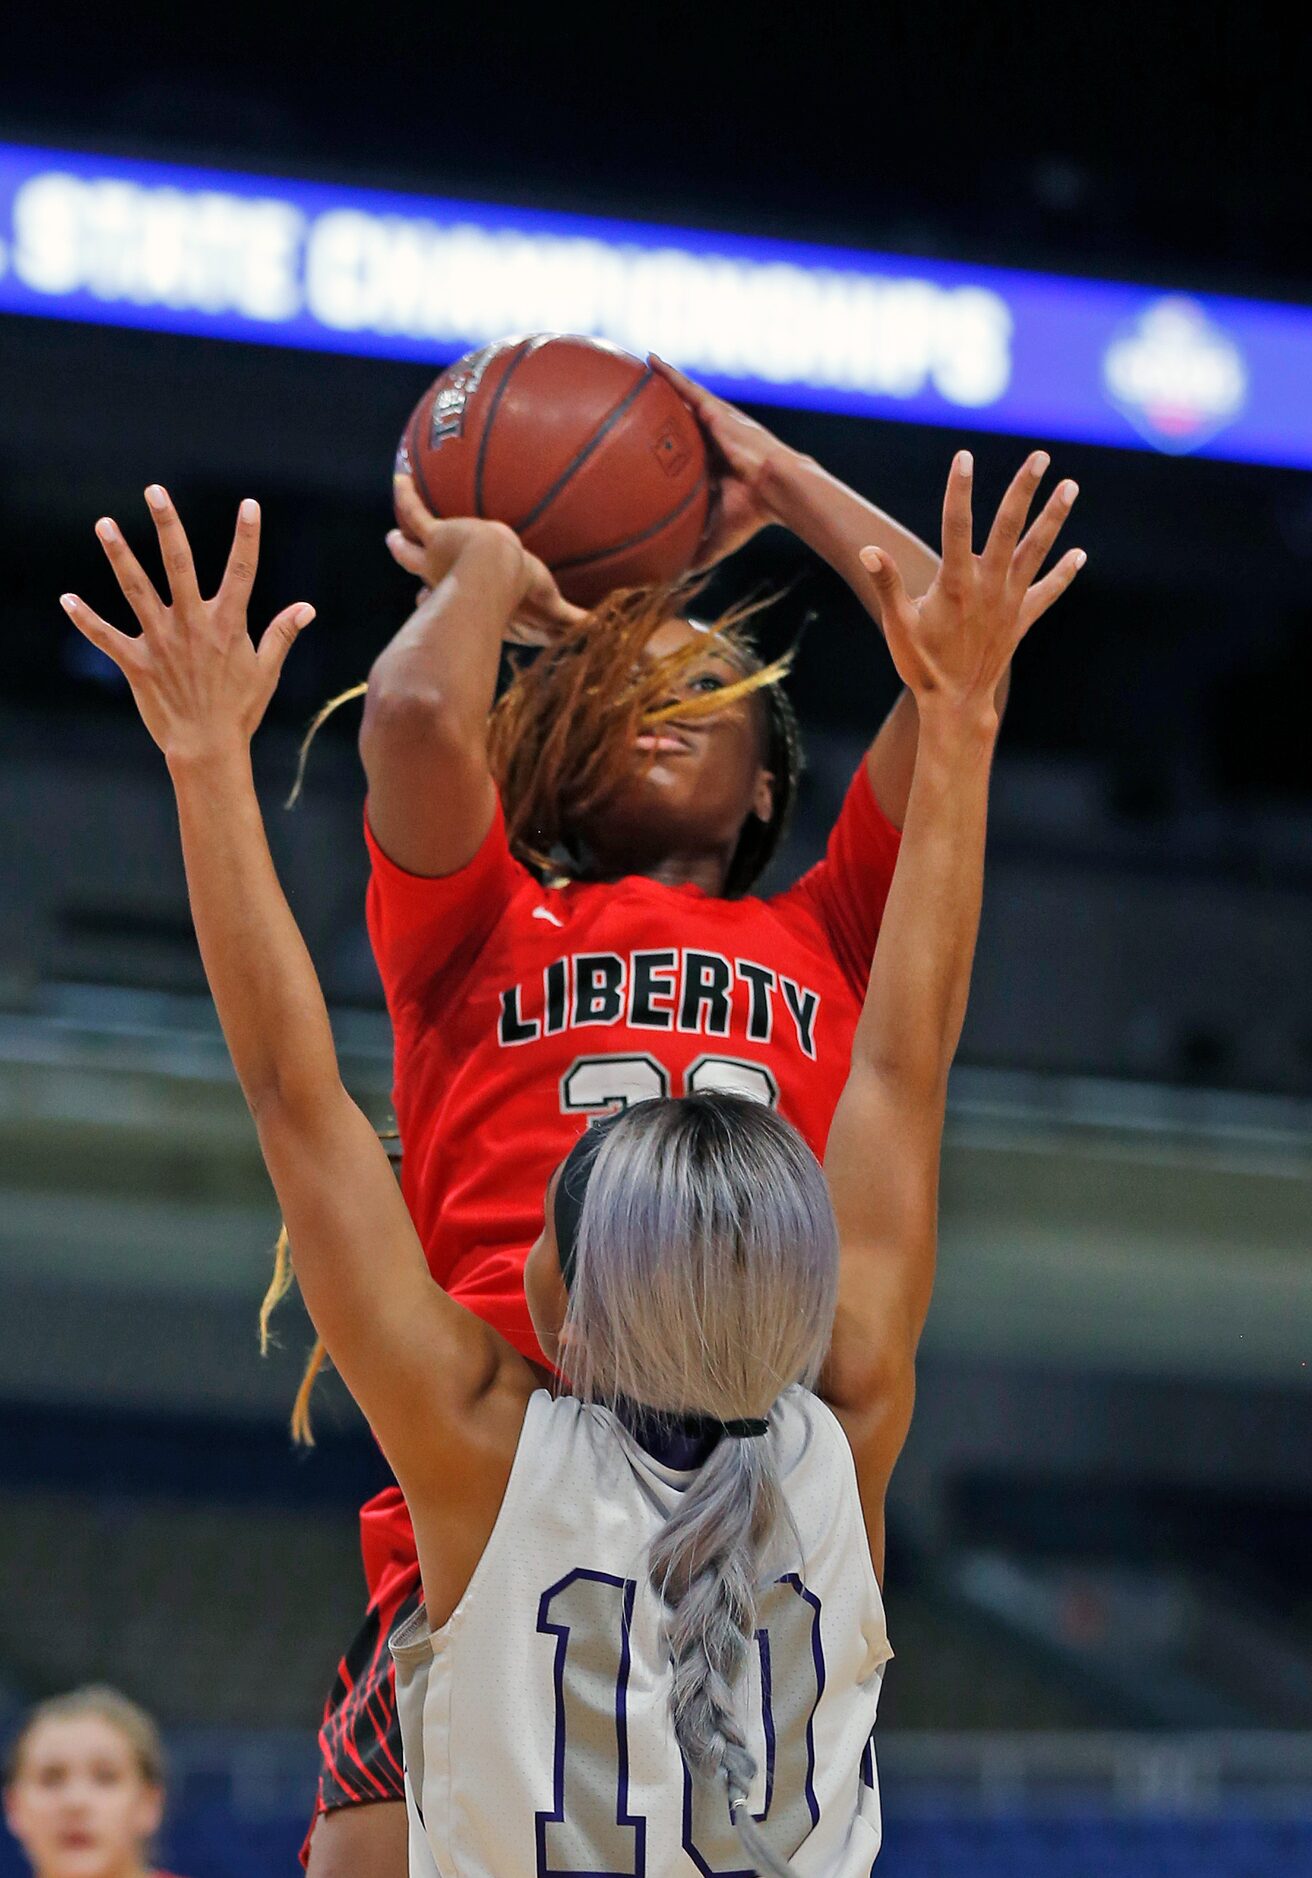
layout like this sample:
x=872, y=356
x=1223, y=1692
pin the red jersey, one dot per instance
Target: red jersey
x=518, y=1010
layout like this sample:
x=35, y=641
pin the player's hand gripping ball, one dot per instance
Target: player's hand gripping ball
x=587, y=453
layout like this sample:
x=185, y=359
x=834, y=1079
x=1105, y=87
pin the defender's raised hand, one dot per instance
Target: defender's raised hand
x=956, y=641
x=197, y=678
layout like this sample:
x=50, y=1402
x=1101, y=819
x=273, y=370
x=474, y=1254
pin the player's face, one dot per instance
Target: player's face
x=544, y=1288
x=694, y=780
x=78, y=1804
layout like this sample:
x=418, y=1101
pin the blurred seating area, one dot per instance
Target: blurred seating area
x=223, y=1615
x=1145, y=945
x=209, y=1613
x=1085, y=1845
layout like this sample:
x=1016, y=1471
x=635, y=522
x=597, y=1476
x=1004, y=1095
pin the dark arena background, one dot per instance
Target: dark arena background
x=888, y=233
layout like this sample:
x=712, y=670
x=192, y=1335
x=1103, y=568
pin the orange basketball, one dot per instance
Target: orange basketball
x=590, y=456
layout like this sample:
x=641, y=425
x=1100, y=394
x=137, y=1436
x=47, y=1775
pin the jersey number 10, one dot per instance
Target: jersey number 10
x=590, y=1831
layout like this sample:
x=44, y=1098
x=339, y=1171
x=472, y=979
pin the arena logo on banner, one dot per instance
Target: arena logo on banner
x=1178, y=376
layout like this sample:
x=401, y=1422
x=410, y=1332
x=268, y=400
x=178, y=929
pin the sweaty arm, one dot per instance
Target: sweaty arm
x=951, y=648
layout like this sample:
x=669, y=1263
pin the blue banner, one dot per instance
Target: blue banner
x=233, y=256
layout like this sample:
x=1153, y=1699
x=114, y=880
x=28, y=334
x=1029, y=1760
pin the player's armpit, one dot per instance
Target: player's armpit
x=848, y=887
x=426, y=931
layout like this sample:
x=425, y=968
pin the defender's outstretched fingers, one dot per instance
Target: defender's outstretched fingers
x=175, y=549
x=133, y=584
x=1012, y=511
x=958, y=522
x=106, y=638
x=281, y=634
x=414, y=517
x=883, y=571
x=1043, y=531
x=1053, y=585
x=243, y=555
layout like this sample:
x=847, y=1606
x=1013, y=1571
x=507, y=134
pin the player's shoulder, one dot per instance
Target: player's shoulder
x=796, y=910
x=817, y=1470
x=799, y=1411
x=811, y=1439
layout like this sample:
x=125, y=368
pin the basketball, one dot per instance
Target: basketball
x=590, y=456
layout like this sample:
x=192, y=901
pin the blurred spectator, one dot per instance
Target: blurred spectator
x=84, y=1787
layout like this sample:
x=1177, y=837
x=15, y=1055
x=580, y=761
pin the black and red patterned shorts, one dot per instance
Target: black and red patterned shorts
x=360, y=1736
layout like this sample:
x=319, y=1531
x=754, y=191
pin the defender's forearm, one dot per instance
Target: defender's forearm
x=263, y=981
x=919, y=984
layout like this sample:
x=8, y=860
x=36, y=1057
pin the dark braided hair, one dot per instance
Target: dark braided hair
x=760, y=840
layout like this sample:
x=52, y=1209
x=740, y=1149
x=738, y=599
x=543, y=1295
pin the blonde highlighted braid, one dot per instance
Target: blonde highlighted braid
x=279, y=1285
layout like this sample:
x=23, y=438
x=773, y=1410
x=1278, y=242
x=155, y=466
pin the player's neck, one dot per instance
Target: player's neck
x=707, y=871
x=672, y=849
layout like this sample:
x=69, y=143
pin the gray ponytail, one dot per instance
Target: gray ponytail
x=705, y=1282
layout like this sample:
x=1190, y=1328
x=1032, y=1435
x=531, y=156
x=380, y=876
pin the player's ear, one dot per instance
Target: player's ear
x=763, y=795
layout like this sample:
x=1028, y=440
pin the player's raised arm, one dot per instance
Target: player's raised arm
x=950, y=648
x=408, y=1354
x=763, y=481
x=423, y=740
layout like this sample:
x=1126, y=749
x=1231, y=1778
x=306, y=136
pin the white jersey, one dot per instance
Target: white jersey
x=536, y=1722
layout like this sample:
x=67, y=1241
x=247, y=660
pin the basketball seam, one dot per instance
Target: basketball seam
x=598, y=436
x=417, y=466
x=631, y=541
x=492, y=409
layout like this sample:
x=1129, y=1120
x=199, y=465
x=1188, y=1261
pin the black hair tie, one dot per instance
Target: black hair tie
x=747, y=1427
